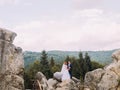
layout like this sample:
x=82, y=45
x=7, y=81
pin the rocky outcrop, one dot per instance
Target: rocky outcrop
x=41, y=83
x=11, y=62
x=92, y=78
x=107, y=78
x=52, y=83
x=67, y=85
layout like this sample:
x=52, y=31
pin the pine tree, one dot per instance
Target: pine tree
x=81, y=56
x=67, y=58
x=44, y=64
x=52, y=62
x=76, y=70
x=88, y=62
x=81, y=66
x=53, y=66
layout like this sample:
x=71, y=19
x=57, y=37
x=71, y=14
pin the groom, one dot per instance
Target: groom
x=70, y=69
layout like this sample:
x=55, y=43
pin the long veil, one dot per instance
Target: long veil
x=63, y=69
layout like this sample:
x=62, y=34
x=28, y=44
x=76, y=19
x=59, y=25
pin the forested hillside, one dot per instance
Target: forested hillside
x=103, y=57
x=80, y=66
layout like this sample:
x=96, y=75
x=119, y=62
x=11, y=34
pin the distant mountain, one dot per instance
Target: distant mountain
x=103, y=57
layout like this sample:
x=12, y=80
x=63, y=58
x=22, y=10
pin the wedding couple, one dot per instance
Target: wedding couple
x=66, y=71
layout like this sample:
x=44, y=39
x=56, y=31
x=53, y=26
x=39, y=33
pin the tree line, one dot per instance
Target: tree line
x=81, y=66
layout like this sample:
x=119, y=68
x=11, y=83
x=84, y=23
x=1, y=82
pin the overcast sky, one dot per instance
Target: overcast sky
x=62, y=24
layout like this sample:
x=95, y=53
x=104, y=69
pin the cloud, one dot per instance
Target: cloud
x=87, y=4
x=88, y=13
x=87, y=29
x=6, y=2
x=27, y=4
x=107, y=5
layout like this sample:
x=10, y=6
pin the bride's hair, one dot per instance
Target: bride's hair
x=65, y=62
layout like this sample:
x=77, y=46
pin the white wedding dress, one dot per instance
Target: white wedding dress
x=65, y=73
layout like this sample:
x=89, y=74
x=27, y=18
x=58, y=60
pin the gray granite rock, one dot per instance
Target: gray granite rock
x=58, y=76
x=11, y=62
x=107, y=78
x=7, y=35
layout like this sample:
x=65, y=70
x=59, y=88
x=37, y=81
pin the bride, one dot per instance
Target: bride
x=64, y=71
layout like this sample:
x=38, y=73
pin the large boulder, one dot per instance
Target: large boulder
x=57, y=76
x=52, y=82
x=109, y=81
x=107, y=78
x=11, y=62
x=41, y=82
x=93, y=78
x=116, y=56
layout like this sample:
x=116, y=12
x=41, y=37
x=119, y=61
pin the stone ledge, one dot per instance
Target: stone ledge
x=7, y=35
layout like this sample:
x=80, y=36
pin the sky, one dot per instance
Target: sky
x=69, y=25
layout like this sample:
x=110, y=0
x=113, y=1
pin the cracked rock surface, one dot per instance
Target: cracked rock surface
x=107, y=78
x=11, y=62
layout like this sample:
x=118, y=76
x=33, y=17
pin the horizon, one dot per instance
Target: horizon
x=67, y=25
x=72, y=51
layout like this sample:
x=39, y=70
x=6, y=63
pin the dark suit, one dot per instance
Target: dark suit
x=70, y=70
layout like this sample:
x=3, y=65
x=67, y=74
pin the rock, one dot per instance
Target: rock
x=42, y=80
x=52, y=82
x=11, y=62
x=116, y=56
x=7, y=35
x=114, y=67
x=118, y=88
x=41, y=83
x=75, y=80
x=87, y=89
x=67, y=85
x=41, y=77
x=107, y=78
x=93, y=78
x=108, y=81
x=57, y=76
